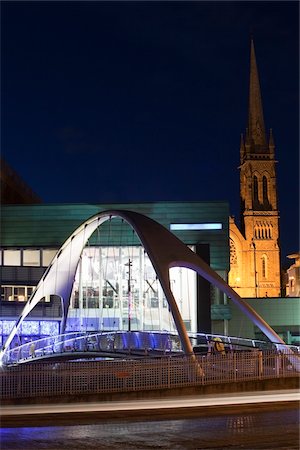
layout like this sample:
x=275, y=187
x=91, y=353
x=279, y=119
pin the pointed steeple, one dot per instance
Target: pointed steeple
x=256, y=125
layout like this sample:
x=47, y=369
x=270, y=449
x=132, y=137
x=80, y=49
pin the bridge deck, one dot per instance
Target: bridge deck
x=124, y=345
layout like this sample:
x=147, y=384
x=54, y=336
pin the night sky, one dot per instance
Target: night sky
x=146, y=101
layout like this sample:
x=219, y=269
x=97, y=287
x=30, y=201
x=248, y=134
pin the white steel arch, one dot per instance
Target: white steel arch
x=164, y=249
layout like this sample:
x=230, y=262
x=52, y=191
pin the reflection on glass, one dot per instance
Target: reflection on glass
x=119, y=285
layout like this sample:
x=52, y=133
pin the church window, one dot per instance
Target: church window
x=255, y=192
x=270, y=231
x=258, y=231
x=263, y=230
x=233, y=255
x=264, y=266
x=265, y=191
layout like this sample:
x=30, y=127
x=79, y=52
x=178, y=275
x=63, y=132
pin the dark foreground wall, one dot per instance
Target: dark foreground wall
x=222, y=388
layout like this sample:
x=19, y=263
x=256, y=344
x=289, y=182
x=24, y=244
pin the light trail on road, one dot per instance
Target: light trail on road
x=154, y=404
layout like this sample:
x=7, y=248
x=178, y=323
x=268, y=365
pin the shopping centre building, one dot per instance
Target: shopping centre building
x=115, y=282
x=113, y=266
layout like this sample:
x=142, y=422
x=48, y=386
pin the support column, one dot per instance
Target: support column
x=203, y=294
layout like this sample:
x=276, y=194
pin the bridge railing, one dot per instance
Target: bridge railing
x=33, y=349
x=123, y=342
x=105, y=342
x=232, y=342
x=107, y=376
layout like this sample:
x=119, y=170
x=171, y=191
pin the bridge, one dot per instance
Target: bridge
x=69, y=372
x=165, y=252
x=127, y=345
x=101, y=345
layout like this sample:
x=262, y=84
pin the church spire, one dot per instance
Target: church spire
x=256, y=267
x=256, y=124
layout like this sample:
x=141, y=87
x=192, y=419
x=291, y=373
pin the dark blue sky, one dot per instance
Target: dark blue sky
x=146, y=101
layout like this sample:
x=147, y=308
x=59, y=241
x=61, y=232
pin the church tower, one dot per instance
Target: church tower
x=254, y=249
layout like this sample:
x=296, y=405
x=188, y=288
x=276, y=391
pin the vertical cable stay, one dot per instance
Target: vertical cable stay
x=115, y=286
x=134, y=291
x=87, y=287
x=144, y=292
x=106, y=284
x=99, y=282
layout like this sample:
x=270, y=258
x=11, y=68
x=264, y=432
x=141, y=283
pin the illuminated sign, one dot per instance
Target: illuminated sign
x=195, y=226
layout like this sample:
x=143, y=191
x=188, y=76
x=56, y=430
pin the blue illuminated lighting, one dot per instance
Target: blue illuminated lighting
x=111, y=323
x=195, y=226
x=30, y=328
x=49, y=328
x=7, y=326
x=125, y=340
x=156, y=339
x=73, y=324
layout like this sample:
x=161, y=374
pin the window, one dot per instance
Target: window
x=7, y=293
x=16, y=293
x=233, y=254
x=264, y=266
x=47, y=256
x=19, y=293
x=255, y=191
x=154, y=302
x=11, y=257
x=31, y=258
x=30, y=290
x=265, y=191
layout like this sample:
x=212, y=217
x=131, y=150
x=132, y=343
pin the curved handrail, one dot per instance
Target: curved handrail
x=111, y=342
x=108, y=341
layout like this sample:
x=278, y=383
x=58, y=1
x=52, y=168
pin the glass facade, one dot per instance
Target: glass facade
x=117, y=288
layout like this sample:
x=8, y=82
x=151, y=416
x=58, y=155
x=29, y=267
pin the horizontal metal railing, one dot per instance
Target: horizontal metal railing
x=107, y=376
x=124, y=343
x=104, y=342
x=238, y=343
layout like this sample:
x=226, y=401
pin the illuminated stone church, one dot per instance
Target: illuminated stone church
x=254, y=245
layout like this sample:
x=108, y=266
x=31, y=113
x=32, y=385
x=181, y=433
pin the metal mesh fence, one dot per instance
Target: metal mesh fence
x=107, y=376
